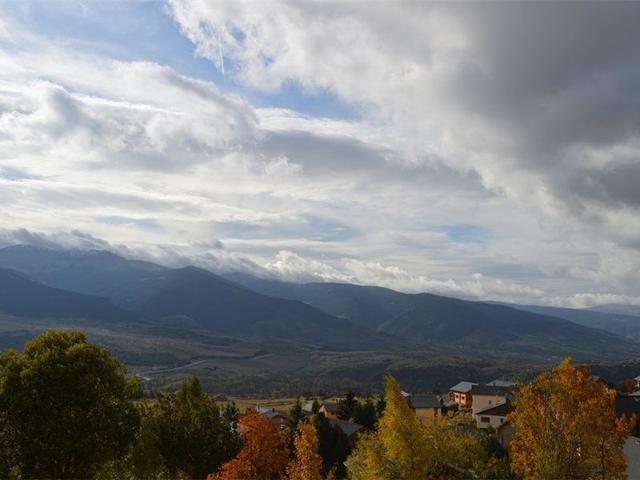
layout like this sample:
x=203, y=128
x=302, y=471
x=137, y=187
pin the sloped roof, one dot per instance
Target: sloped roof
x=424, y=401
x=501, y=410
x=273, y=414
x=490, y=390
x=501, y=383
x=331, y=407
x=349, y=428
x=462, y=387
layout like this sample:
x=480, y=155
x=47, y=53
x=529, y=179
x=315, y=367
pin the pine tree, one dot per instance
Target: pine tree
x=347, y=406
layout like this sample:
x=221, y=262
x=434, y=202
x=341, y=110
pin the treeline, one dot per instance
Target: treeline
x=68, y=410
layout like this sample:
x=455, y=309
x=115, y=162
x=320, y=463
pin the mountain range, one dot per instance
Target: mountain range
x=100, y=285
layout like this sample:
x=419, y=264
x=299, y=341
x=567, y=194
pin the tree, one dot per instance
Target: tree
x=365, y=414
x=264, y=455
x=347, y=406
x=230, y=414
x=628, y=386
x=315, y=406
x=566, y=427
x=297, y=413
x=65, y=406
x=333, y=446
x=405, y=448
x=307, y=463
x=191, y=435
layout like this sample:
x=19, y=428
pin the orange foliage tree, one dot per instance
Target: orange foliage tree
x=307, y=464
x=566, y=427
x=264, y=455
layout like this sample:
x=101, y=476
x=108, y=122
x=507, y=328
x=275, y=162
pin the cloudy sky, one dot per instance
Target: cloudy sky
x=479, y=150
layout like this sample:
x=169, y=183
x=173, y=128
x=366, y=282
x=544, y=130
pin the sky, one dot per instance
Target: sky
x=479, y=150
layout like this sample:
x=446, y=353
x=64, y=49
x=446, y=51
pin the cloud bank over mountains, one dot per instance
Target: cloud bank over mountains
x=480, y=150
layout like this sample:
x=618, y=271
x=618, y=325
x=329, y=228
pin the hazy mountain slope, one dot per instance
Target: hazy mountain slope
x=23, y=297
x=624, y=325
x=500, y=328
x=94, y=272
x=193, y=298
x=366, y=305
x=448, y=321
x=216, y=304
x=618, y=309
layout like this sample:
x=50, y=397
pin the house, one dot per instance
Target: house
x=637, y=380
x=280, y=420
x=460, y=393
x=350, y=429
x=425, y=406
x=629, y=405
x=484, y=396
x=493, y=416
x=330, y=409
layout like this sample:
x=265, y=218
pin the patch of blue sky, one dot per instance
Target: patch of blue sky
x=144, y=31
x=316, y=102
x=464, y=233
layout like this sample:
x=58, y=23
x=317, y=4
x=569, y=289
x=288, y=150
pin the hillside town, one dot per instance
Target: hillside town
x=483, y=409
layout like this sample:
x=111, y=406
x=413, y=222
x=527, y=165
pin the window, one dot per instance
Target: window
x=485, y=420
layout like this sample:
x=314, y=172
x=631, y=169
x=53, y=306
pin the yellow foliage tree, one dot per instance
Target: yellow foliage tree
x=307, y=463
x=566, y=427
x=404, y=448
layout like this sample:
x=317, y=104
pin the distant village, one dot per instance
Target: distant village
x=487, y=404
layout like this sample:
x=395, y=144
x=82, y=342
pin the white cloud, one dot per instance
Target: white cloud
x=467, y=172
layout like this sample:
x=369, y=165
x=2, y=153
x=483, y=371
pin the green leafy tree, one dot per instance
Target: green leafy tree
x=191, y=435
x=65, y=406
x=315, y=406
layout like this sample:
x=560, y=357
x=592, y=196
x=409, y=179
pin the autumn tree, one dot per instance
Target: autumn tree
x=65, y=407
x=307, y=463
x=264, y=455
x=566, y=427
x=398, y=450
x=406, y=448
